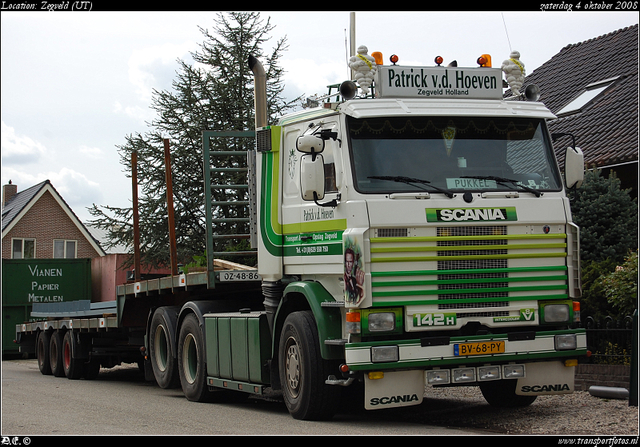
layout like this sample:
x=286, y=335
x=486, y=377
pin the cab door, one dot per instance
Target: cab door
x=323, y=221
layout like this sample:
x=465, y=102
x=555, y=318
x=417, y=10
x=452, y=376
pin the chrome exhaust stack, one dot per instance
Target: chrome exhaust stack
x=259, y=91
x=272, y=289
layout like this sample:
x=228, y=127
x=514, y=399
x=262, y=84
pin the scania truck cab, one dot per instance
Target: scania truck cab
x=431, y=219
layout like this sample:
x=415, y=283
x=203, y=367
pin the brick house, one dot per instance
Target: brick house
x=38, y=223
x=592, y=87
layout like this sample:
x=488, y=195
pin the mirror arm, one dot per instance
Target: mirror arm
x=333, y=203
x=327, y=134
x=555, y=136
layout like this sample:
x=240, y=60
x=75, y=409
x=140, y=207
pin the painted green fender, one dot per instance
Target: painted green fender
x=328, y=319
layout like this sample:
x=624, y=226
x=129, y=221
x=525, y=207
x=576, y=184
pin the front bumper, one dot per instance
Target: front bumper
x=438, y=352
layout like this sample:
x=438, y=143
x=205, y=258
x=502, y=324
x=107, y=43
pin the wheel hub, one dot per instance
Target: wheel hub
x=293, y=367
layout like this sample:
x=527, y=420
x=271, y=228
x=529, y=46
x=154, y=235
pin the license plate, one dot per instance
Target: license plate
x=480, y=348
x=239, y=275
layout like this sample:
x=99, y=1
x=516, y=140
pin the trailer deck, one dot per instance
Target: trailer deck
x=85, y=315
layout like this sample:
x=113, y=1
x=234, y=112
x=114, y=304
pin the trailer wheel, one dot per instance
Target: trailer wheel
x=44, y=364
x=502, y=394
x=303, y=371
x=55, y=354
x=71, y=363
x=191, y=365
x=163, y=362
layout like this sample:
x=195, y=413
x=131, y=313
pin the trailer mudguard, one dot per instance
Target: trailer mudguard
x=328, y=319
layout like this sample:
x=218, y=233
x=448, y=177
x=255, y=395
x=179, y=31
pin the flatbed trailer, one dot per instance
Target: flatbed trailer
x=112, y=332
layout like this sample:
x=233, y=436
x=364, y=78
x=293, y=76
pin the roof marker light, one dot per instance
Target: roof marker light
x=438, y=60
x=484, y=60
x=378, y=57
x=393, y=59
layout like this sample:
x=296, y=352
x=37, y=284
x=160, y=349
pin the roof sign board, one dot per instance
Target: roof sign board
x=394, y=81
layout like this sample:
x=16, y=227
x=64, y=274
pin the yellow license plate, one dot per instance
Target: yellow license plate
x=480, y=348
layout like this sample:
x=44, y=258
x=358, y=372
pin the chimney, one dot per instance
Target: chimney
x=8, y=191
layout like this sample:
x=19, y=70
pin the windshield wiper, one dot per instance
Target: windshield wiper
x=504, y=181
x=411, y=181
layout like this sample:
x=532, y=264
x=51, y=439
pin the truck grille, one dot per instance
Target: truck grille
x=470, y=281
x=471, y=270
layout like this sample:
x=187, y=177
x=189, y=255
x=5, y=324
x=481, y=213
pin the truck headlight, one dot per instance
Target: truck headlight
x=488, y=373
x=438, y=377
x=377, y=321
x=464, y=375
x=382, y=321
x=565, y=342
x=556, y=313
x=513, y=371
x=384, y=354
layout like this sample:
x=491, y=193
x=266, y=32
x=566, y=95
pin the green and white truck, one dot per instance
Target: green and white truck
x=417, y=236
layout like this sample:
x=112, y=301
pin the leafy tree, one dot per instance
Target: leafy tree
x=215, y=92
x=621, y=285
x=607, y=216
x=593, y=301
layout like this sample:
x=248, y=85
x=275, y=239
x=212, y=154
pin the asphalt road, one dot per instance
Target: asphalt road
x=120, y=402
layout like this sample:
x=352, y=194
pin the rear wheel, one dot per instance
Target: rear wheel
x=163, y=362
x=191, y=365
x=43, y=344
x=303, y=371
x=502, y=394
x=55, y=354
x=71, y=363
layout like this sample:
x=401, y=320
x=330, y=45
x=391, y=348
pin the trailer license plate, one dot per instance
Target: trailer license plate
x=480, y=348
x=239, y=275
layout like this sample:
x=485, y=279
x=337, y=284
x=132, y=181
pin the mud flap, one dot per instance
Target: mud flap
x=546, y=378
x=395, y=389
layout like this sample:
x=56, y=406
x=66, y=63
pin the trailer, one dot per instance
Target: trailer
x=416, y=234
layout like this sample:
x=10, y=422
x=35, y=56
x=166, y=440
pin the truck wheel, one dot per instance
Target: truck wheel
x=44, y=340
x=163, y=362
x=55, y=354
x=191, y=365
x=502, y=394
x=303, y=371
x=71, y=364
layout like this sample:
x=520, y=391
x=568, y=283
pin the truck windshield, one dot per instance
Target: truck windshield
x=444, y=154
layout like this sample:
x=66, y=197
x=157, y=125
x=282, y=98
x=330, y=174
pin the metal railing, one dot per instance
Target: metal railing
x=610, y=340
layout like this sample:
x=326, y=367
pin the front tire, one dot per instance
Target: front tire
x=303, y=371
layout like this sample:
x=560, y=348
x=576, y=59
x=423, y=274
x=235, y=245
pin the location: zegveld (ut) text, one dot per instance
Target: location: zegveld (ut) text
x=79, y=5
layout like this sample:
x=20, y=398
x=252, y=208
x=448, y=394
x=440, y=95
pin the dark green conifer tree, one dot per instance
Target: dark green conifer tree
x=213, y=93
x=607, y=216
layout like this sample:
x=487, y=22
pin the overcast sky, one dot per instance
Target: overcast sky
x=74, y=84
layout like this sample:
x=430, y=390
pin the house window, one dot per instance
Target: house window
x=585, y=97
x=23, y=248
x=64, y=248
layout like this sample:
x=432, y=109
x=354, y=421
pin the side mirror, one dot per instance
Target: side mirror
x=312, y=177
x=310, y=144
x=573, y=167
